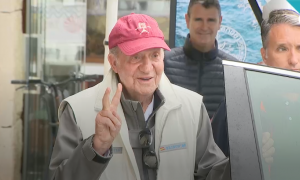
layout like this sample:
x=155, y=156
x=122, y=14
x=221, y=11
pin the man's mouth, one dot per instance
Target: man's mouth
x=204, y=33
x=146, y=78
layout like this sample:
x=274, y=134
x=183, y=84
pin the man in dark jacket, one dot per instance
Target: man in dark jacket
x=198, y=64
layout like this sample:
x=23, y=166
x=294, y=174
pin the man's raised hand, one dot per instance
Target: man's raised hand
x=108, y=122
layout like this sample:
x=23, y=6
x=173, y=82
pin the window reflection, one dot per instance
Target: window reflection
x=96, y=21
x=276, y=110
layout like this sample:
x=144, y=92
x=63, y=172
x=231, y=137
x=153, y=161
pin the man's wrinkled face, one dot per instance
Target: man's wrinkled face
x=139, y=74
x=283, y=47
x=203, y=25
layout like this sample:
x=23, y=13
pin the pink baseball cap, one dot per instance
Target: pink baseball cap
x=136, y=32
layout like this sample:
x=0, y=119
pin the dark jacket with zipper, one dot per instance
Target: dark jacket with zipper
x=197, y=71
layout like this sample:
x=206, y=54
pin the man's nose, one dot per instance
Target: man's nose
x=146, y=65
x=204, y=25
x=294, y=59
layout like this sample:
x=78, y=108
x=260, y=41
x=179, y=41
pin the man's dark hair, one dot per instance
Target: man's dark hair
x=206, y=4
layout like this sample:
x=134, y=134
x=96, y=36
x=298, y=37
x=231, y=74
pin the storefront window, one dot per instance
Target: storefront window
x=54, y=51
x=158, y=9
x=96, y=21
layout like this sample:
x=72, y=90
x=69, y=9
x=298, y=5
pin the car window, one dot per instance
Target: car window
x=275, y=102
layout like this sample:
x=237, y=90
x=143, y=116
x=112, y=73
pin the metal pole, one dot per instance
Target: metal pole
x=172, y=29
x=256, y=10
x=27, y=95
x=111, y=19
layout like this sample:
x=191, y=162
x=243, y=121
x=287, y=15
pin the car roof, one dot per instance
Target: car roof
x=263, y=68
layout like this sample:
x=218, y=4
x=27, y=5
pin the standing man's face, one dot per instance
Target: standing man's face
x=283, y=47
x=140, y=73
x=203, y=25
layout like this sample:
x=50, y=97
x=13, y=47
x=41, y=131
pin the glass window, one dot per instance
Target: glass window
x=239, y=35
x=275, y=104
x=96, y=21
x=55, y=38
x=158, y=9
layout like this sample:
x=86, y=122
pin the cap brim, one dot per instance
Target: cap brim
x=132, y=47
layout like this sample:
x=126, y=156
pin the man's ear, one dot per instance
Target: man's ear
x=187, y=20
x=112, y=59
x=263, y=53
x=221, y=18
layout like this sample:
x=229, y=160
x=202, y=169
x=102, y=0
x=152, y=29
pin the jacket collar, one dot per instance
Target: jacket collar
x=196, y=55
x=129, y=105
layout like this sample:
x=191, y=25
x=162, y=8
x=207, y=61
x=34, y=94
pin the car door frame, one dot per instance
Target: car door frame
x=244, y=154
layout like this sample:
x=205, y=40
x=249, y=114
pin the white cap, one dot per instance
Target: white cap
x=275, y=5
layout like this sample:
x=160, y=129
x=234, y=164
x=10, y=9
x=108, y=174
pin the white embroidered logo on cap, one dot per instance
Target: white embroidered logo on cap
x=143, y=26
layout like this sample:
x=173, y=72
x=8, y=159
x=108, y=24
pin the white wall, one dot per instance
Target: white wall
x=11, y=67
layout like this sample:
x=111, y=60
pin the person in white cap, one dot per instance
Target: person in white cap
x=135, y=124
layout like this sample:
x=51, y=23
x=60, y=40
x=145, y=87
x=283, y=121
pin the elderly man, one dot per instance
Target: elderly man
x=280, y=35
x=136, y=124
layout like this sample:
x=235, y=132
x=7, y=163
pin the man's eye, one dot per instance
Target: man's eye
x=280, y=49
x=136, y=58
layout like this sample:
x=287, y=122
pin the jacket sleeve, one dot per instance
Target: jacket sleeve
x=219, y=128
x=73, y=157
x=211, y=163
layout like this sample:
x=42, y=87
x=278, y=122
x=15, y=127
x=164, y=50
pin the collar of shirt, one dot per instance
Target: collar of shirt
x=198, y=56
x=130, y=106
x=149, y=109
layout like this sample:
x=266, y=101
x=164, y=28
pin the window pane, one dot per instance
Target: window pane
x=158, y=9
x=96, y=21
x=239, y=34
x=95, y=34
x=276, y=110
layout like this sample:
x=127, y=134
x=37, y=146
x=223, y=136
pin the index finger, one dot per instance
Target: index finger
x=105, y=100
x=116, y=99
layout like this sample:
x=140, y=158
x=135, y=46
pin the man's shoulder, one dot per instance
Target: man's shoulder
x=184, y=94
x=175, y=52
x=225, y=56
x=79, y=100
x=83, y=95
